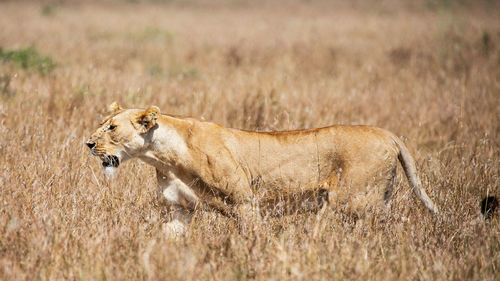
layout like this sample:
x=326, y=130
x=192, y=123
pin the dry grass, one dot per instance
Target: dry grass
x=428, y=71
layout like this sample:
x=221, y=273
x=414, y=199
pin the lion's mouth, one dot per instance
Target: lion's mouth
x=110, y=161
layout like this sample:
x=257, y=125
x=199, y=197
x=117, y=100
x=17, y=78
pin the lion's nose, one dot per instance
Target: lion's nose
x=90, y=144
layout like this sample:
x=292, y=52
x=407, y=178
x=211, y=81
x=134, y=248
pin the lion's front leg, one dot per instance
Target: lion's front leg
x=180, y=201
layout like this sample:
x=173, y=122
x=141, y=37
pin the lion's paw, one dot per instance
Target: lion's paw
x=174, y=229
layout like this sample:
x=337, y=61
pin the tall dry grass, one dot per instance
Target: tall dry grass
x=428, y=71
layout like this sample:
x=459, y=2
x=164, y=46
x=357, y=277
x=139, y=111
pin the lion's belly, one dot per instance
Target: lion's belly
x=295, y=175
x=280, y=169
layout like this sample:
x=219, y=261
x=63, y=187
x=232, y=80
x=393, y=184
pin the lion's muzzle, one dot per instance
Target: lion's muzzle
x=110, y=161
x=107, y=160
x=90, y=144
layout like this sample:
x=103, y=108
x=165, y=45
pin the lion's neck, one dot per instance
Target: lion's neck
x=167, y=147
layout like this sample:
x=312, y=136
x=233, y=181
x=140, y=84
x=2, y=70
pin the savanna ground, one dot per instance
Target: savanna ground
x=427, y=70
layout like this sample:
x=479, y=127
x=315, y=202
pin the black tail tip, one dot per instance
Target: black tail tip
x=488, y=206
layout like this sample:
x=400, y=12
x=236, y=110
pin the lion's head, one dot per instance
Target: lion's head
x=122, y=135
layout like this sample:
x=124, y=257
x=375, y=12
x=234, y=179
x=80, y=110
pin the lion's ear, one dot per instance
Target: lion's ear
x=113, y=107
x=147, y=119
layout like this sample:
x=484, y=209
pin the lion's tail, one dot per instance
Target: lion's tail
x=408, y=164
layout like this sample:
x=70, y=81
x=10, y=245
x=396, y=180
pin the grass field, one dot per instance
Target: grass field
x=427, y=70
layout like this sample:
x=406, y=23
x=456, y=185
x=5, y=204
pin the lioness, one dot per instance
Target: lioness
x=202, y=163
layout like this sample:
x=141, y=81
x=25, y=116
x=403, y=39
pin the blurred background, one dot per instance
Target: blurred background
x=428, y=70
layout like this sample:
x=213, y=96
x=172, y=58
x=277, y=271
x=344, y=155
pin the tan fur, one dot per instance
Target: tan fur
x=223, y=168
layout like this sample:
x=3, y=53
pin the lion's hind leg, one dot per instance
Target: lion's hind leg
x=331, y=188
x=359, y=195
x=389, y=188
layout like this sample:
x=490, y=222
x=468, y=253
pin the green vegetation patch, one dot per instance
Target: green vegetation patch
x=184, y=72
x=145, y=34
x=150, y=33
x=28, y=58
x=175, y=71
x=49, y=9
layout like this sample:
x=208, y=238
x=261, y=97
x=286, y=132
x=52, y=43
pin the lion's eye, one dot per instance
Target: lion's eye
x=111, y=127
